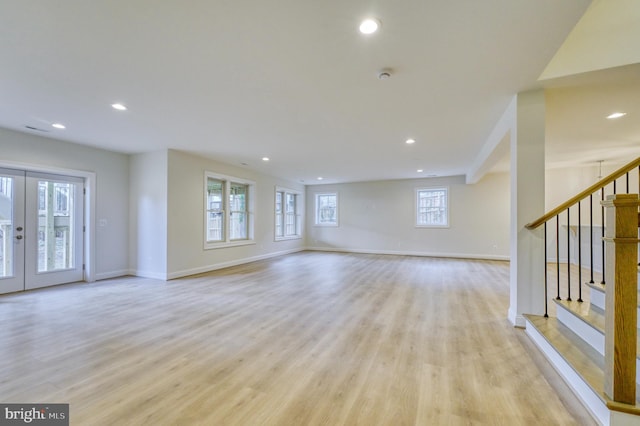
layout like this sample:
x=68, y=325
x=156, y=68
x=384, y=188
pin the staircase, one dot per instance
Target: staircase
x=574, y=343
x=571, y=334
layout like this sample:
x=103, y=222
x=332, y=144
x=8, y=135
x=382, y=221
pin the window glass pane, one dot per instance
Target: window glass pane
x=61, y=199
x=238, y=225
x=279, y=215
x=326, y=209
x=432, y=207
x=6, y=226
x=55, y=226
x=290, y=223
x=215, y=210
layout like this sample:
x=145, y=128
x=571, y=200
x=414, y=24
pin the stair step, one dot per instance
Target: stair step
x=592, y=316
x=581, y=366
x=597, y=297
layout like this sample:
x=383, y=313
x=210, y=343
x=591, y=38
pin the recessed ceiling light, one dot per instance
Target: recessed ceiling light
x=320, y=178
x=369, y=26
x=410, y=141
x=119, y=107
x=616, y=115
x=58, y=126
x=419, y=170
x=265, y=158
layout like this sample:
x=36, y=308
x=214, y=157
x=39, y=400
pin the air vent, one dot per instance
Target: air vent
x=36, y=129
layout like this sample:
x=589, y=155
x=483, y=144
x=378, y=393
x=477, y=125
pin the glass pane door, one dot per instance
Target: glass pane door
x=55, y=225
x=11, y=230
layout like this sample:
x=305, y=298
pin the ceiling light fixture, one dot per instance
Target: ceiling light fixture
x=119, y=107
x=59, y=126
x=410, y=141
x=419, y=170
x=369, y=26
x=265, y=158
x=616, y=115
x=320, y=178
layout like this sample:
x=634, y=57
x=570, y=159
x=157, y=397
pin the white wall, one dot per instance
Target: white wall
x=379, y=217
x=148, y=214
x=112, y=190
x=185, y=217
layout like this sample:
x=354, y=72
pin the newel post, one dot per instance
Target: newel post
x=621, y=248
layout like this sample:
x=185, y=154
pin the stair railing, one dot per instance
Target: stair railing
x=619, y=269
x=616, y=183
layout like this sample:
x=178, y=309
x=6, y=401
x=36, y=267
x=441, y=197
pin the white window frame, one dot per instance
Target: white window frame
x=316, y=209
x=418, y=224
x=298, y=214
x=250, y=206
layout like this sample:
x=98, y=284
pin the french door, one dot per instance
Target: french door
x=41, y=230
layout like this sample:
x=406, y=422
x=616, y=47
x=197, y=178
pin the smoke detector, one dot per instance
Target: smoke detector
x=384, y=74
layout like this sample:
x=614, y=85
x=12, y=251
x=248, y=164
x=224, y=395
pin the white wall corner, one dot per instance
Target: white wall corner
x=496, y=146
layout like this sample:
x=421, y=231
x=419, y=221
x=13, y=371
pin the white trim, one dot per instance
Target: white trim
x=597, y=298
x=113, y=274
x=290, y=237
x=227, y=180
x=221, y=265
x=591, y=401
x=89, y=207
x=232, y=243
x=149, y=274
x=412, y=253
x=518, y=321
x=299, y=213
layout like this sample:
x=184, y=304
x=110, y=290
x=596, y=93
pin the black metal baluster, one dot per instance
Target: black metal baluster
x=602, y=215
x=614, y=187
x=546, y=273
x=568, y=255
x=627, y=182
x=558, y=256
x=579, y=254
x=591, y=234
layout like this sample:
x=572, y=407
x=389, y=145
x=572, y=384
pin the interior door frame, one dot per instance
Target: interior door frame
x=89, y=207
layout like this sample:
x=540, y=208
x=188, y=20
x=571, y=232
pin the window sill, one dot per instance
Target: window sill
x=292, y=237
x=223, y=244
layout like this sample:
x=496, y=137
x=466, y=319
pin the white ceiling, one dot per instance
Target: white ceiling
x=237, y=80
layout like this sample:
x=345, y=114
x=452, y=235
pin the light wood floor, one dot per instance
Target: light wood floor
x=306, y=339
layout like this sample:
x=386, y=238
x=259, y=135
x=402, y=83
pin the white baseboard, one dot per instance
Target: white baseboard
x=221, y=265
x=412, y=253
x=112, y=274
x=149, y=274
x=515, y=319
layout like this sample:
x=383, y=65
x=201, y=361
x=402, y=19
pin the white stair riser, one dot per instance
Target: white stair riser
x=598, y=300
x=592, y=336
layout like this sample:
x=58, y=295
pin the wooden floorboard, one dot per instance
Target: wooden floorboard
x=306, y=339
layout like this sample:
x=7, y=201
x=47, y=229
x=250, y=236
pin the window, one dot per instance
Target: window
x=239, y=223
x=288, y=213
x=215, y=195
x=327, y=209
x=432, y=207
x=228, y=215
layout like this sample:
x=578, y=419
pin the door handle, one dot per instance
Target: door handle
x=18, y=237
